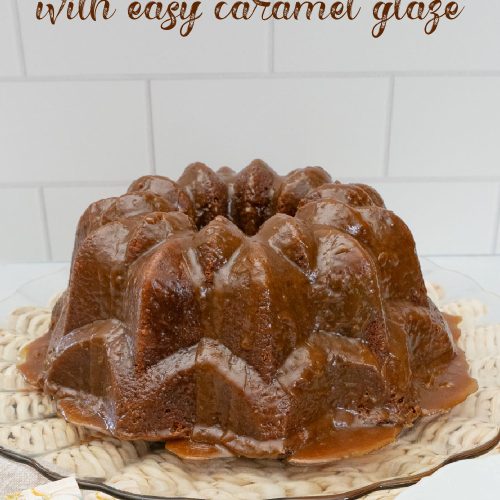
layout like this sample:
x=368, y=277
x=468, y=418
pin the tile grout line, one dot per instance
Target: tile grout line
x=270, y=48
x=45, y=223
x=496, y=227
x=457, y=255
x=347, y=178
x=150, y=128
x=19, y=38
x=64, y=184
x=388, y=131
x=423, y=179
x=295, y=75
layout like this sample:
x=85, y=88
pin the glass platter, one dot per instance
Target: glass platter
x=32, y=433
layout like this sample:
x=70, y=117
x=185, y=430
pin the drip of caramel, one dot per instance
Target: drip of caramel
x=453, y=384
x=191, y=450
x=34, y=355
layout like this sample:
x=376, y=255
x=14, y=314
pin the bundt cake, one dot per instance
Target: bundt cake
x=248, y=314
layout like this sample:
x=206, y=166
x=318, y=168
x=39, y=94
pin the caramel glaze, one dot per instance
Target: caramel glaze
x=329, y=439
x=334, y=437
x=451, y=385
x=248, y=314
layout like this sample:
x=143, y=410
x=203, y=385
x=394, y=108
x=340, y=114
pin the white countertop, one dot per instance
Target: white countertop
x=483, y=269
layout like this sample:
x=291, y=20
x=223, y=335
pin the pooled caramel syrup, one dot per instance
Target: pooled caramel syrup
x=453, y=322
x=34, y=355
x=338, y=443
x=191, y=450
x=88, y=416
x=343, y=443
x=452, y=385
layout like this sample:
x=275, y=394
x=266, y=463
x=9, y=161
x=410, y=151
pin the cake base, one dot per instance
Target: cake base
x=323, y=441
x=134, y=469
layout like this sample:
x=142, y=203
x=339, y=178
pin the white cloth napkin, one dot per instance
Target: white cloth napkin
x=65, y=489
x=17, y=477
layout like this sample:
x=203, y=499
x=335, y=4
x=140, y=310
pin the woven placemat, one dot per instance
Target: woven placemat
x=29, y=426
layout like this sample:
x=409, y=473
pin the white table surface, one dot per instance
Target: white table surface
x=485, y=270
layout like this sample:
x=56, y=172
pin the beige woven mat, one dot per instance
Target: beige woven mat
x=29, y=425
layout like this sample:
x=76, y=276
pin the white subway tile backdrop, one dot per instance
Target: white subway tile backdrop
x=73, y=131
x=22, y=225
x=446, y=217
x=121, y=46
x=86, y=107
x=289, y=123
x=497, y=249
x=10, y=60
x=469, y=43
x=446, y=126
